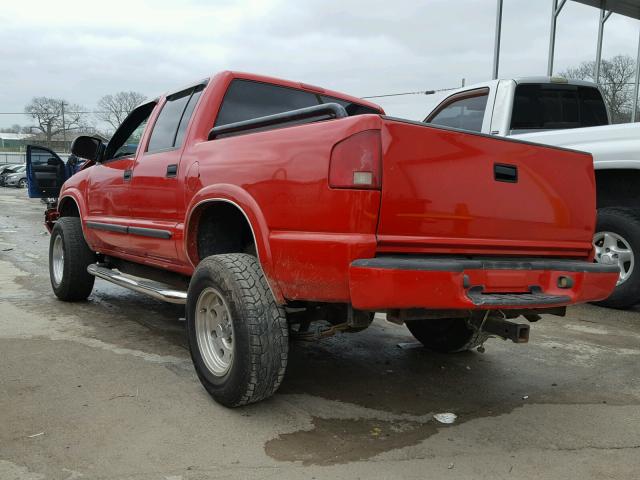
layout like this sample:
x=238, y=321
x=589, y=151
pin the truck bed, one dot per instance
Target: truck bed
x=612, y=146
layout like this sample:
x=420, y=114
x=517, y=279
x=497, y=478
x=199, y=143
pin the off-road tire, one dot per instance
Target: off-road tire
x=76, y=283
x=446, y=335
x=261, y=335
x=626, y=223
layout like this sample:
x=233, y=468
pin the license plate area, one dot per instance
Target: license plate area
x=504, y=281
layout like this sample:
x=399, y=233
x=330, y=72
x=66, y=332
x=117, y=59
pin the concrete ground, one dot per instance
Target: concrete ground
x=105, y=389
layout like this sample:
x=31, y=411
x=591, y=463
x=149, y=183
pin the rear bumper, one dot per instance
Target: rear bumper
x=461, y=283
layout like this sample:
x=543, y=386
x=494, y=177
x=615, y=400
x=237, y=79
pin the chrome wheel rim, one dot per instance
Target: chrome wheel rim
x=214, y=331
x=57, y=260
x=612, y=249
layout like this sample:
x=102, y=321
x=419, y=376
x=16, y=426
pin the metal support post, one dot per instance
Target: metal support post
x=496, y=49
x=555, y=11
x=604, y=16
x=635, y=86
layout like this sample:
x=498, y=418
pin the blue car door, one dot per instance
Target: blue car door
x=46, y=172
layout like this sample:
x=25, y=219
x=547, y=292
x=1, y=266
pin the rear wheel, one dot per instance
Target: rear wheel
x=446, y=335
x=238, y=335
x=69, y=257
x=22, y=183
x=617, y=242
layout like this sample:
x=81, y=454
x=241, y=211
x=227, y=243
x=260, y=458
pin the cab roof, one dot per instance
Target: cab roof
x=556, y=80
x=230, y=75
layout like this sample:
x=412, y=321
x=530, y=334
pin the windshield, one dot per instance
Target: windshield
x=552, y=106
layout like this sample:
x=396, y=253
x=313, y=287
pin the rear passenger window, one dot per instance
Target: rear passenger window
x=467, y=113
x=186, y=116
x=170, y=127
x=246, y=99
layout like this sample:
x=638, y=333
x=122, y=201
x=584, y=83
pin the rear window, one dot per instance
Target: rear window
x=550, y=107
x=246, y=100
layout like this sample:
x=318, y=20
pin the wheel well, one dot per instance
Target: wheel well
x=219, y=227
x=617, y=188
x=68, y=208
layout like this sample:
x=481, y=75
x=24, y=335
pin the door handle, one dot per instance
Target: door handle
x=172, y=171
x=503, y=172
x=127, y=175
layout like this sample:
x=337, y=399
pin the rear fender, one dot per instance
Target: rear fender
x=242, y=200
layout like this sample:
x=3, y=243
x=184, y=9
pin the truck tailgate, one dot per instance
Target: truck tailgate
x=453, y=192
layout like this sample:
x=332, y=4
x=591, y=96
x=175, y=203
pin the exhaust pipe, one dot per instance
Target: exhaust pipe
x=152, y=288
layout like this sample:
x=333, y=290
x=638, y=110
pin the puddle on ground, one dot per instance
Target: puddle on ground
x=334, y=441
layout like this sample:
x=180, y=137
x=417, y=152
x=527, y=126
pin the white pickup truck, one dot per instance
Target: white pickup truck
x=570, y=114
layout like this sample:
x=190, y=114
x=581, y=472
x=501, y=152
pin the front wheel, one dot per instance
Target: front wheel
x=69, y=257
x=617, y=242
x=446, y=335
x=238, y=335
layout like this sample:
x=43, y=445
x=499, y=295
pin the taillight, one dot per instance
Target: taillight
x=356, y=162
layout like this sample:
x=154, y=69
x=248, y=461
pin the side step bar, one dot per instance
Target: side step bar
x=152, y=288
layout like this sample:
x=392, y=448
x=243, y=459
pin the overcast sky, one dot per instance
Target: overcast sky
x=81, y=50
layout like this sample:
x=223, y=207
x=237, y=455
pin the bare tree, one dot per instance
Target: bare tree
x=616, y=77
x=55, y=116
x=115, y=108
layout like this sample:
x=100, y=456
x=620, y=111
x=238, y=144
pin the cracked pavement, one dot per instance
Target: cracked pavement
x=105, y=389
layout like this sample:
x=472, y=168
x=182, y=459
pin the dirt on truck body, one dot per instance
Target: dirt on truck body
x=269, y=207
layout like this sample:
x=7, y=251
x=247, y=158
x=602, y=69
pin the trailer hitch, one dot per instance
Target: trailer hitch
x=503, y=328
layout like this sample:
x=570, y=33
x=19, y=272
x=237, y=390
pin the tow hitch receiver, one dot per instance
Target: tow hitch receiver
x=516, y=332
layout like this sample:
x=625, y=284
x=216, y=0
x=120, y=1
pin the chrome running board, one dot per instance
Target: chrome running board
x=152, y=288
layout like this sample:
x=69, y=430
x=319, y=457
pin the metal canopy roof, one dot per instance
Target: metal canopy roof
x=628, y=8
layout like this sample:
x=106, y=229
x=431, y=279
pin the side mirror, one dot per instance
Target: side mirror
x=87, y=147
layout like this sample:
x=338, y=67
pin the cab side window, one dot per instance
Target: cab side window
x=171, y=125
x=186, y=117
x=466, y=112
x=249, y=99
x=246, y=99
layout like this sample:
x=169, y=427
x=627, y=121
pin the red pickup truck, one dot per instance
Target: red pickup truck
x=269, y=207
